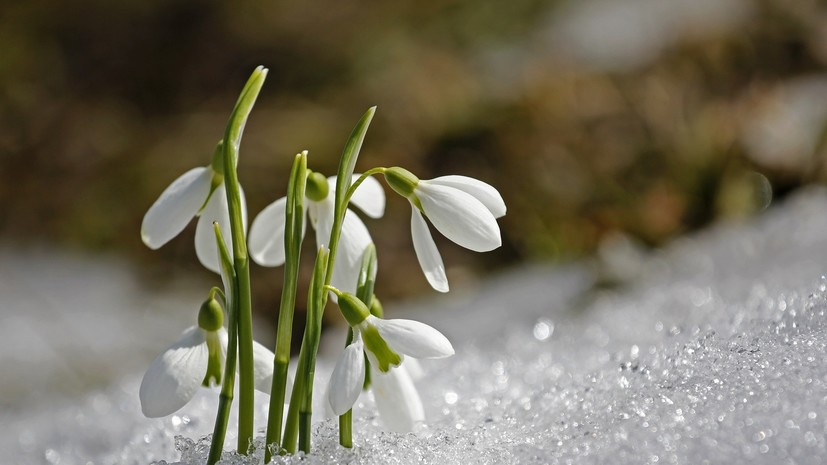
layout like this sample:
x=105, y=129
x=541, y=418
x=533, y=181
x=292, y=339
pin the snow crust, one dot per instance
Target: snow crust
x=712, y=352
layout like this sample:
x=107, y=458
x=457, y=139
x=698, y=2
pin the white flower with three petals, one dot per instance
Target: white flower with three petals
x=463, y=209
x=175, y=375
x=198, y=192
x=266, y=240
x=196, y=359
x=385, y=342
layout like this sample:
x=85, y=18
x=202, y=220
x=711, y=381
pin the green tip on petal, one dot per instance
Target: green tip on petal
x=385, y=356
x=215, y=362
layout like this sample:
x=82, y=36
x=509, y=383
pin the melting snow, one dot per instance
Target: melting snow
x=714, y=353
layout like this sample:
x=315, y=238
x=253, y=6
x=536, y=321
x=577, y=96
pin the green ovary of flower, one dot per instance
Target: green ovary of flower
x=211, y=315
x=317, y=187
x=354, y=310
x=402, y=181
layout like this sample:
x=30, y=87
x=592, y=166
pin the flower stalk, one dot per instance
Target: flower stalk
x=294, y=224
x=304, y=379
x=225, y=398
x=242, y=299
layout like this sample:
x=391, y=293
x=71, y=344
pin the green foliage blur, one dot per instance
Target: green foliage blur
x=592, y=118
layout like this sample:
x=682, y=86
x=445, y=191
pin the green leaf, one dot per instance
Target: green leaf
x=349, y=156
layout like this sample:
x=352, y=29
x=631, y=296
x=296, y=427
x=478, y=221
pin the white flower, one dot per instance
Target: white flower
x=200, y=191
x=463, y=209
x=175, y=375
x=385, y=342
x=266, y=241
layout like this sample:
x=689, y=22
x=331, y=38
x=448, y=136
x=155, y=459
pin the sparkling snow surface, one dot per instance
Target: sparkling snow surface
x=714, y=352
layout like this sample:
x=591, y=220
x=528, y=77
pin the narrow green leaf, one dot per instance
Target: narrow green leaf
x=349, y=156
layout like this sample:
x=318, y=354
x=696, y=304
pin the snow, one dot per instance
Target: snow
x=711, y=352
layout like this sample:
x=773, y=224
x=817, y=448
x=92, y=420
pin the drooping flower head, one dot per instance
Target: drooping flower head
x=463, y=209
x=385, y=342
x=198, y=192
x=266, y=241
x=196, y=359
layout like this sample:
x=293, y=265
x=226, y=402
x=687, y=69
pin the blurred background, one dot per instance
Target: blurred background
x=605, y=124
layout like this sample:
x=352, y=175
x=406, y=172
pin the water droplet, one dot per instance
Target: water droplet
x=543, y=329
x=451, y=397
x=52, y=456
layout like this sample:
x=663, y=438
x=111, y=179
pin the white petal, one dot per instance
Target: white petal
x=321, y=217
x=459, y=216
x=175, y=375
x=369, y=197
x=266, y=239
x=216, y=210
x=426, y=252
x=413, y=338
x=397, y=400
x=413, y=367
x=347, y=378
x=223, y=339
x=353, y=241
x=484, y=192
x=263, y=369
x=176, y=206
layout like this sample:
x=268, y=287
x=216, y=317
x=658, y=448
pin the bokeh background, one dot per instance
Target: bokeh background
x=602, y=122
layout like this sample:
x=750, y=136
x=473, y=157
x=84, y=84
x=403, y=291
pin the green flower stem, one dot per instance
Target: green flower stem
x=346, y=429
x=364, y=291
x=294, y=223
x=304, y=375
x=361, y=179
x=291, y=432
x=346, y=419
x=232, y=140
x=316, y=300
x=225, y=398
x=301, y=401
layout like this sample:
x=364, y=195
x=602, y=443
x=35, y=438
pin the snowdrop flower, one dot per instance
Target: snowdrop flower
x=266, y=241
x=463, y=209
x=385, y=342
x=197, y=359
x=198, y=192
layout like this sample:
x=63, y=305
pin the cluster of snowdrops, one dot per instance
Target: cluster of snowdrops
x=380, y=354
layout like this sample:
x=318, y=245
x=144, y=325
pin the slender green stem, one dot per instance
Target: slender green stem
x=318, y=299
x=301, y=401
x=225, y=398
x=346, y=420
x=346, y=429
x=232, y=140
x=294, y=223
x=364, y=291
x=291, y=432
x=361, y=179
